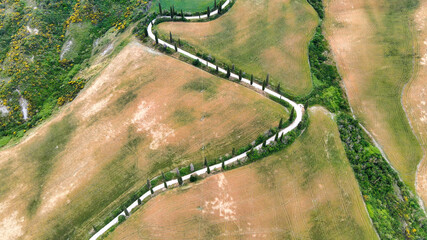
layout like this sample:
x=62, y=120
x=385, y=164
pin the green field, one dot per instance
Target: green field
x=187, y=6
x=268, y=37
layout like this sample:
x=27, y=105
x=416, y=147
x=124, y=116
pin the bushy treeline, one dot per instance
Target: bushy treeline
x=31, y=40
x=392, y=207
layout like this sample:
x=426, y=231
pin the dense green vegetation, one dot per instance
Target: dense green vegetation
x=43, y=46
x=393, y=208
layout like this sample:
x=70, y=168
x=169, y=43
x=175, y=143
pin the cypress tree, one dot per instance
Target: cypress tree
x=252, y=79
x=228, y=71
x=157, y=38
x=276, y=137
x=180, y=182
x=233, y=152
x=160, y=9
x=217, y=69
x=164, y=180
x=214, y=4
x=179, y=42
x=139, y=201
x=182, y=14
x=145, y=32
x=219, y=8
x=240, y=75
x=208, y=170
x=291, y=117
x=266, y=79
x=306, y=106
x=223, y=164
x=149, y=186
x=281, y=137
x=280, y=123
x=278, y=88
x=264, y=144
x=172, y=12
x=126, y=212
x=208, y=12
x=176, y=48
x=170, y=37
x=232, y=68
x=263, y=85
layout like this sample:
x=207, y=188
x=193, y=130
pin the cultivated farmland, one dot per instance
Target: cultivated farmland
x=141, y=114
x=373, y=46
x=415, y=94
x=259, y=37
x=307, y=191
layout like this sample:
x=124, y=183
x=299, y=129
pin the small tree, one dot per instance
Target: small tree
x=208, y=170
x=139, y=201
x=280, y=123
x=170, y=37
x=149, y=186
x=291, y=117
x=267, y=78
x=263, y=85
x=240, y=75
x=160, y=9
x=172, y=12
x=126, y=212
x=208, y=12
x=252, y=79
x=278, y=88
x=122, y=218
x=178, y=174
x=157, y=38
x=164, y=180
x=228, y=72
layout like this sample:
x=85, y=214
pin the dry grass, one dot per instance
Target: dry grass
x=259, y=37
x=372, y=43
x=145, y=112
x=415, y=95
x=307, y=191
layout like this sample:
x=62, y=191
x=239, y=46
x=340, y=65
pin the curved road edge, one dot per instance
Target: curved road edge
x=298, y=109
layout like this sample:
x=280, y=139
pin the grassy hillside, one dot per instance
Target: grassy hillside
x=267, y=37
x=43, y=44
x=307, y=191
x=144, y=112
x=373, y=45
x=415, y=95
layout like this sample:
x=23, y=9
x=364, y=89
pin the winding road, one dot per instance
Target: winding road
x=298, y=109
